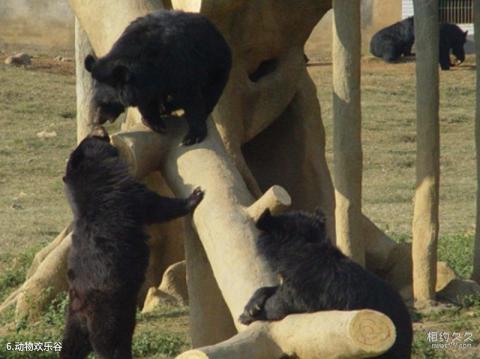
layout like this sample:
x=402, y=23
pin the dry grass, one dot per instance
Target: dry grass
x=32, y=207
x=388, y=119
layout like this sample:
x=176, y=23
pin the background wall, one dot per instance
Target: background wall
x=36, y=24
x=376, y=14
x=40, y=24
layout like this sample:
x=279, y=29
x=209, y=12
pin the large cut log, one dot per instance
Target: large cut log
x=333, y=334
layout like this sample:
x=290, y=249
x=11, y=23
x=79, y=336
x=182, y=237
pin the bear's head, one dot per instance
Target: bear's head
x=109, y=72
x=94, y=151
x=106, y=104
x=290, y=234
x=111, y=89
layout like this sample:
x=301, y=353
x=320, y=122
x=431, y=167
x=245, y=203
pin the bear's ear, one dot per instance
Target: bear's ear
x=466, y=34
x=121, y=74
x=89, y=62
x=264, y=222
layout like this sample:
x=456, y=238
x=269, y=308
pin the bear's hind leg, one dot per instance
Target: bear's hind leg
x=279, y=305
x=111, y=329
x=390, y=52
x=75, y=343
x=254, y=309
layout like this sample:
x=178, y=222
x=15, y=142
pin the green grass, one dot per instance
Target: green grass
x=17, y=268
x=457, y=251
x=33, y=209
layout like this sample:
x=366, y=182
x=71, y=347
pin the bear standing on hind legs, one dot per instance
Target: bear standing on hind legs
x=109, y=253
x=316, y=276
x=165, y=61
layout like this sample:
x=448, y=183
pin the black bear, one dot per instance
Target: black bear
x=451, y=38
x=109, y=253
x=316, y=276
x=394, y=41
x=164, y=61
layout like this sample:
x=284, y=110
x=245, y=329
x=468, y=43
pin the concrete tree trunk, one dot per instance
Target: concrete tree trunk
x=476, y=257
x=84, y=83
x=210, y=319
x=425, y=216
x=347, y=145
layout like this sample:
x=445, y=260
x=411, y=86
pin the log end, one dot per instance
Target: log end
x=276, y=199
x=141, y=149
x=372, y=332
x=192, y=354
x=282, y=198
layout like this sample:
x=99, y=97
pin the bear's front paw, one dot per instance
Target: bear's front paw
x=246, y=319
x=196, y=197
x=193, y=137
x=254, y=308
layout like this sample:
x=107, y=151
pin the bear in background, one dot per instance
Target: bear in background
x=394, y=41
x=164, y=61
x=316, y=276
x=109, y=253
x=452, y=38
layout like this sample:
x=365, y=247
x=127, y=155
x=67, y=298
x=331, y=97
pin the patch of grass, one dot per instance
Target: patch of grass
x=457, y=251
x=16, y=270
x=55, y=314
x=448, y=323
x=152, y=342
x=422, y=348
x=47, y=330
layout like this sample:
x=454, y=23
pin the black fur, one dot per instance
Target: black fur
x=452, y=38
x=316, y=276
x=165, y=61
x=394, y=41
x=109, y=253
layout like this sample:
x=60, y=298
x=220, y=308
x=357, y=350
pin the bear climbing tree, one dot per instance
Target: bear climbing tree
x=266, y=123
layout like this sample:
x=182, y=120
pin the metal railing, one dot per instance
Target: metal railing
x=456, y=11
